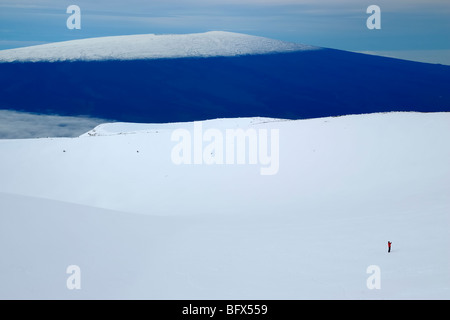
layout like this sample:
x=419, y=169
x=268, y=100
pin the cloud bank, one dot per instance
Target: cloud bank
x=21, y=125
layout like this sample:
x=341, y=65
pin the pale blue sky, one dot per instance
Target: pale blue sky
x=418, y=29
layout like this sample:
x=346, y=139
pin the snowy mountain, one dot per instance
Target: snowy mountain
x=150, y=46
x=138, y=225
x=173, y=78
x=224, y=172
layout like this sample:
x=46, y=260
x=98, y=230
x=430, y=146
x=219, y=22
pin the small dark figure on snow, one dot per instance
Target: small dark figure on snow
x=389, y=246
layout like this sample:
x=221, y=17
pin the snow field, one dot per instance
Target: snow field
x=140, y=226
x=151, y=46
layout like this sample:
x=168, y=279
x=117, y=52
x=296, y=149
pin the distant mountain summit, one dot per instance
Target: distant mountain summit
x=177, y=78
x=150, y=46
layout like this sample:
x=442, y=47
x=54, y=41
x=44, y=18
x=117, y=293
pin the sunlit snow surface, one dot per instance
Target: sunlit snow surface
x=140, y=226
x=150, y=46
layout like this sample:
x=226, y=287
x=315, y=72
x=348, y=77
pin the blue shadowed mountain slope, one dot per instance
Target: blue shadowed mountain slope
x=295, y=85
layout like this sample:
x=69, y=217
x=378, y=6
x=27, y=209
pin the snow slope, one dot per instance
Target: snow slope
x=150, y=46
x=140, y=226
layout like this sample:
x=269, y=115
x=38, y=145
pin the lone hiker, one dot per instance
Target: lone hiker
x=389, y=246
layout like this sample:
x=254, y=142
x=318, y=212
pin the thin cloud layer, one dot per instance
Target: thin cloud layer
x=21, y=125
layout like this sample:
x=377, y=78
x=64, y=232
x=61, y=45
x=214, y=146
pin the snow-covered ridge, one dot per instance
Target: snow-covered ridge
x=118, y=128
x=151, y=46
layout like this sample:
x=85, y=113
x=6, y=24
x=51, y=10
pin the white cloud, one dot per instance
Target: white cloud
x=21, y=125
